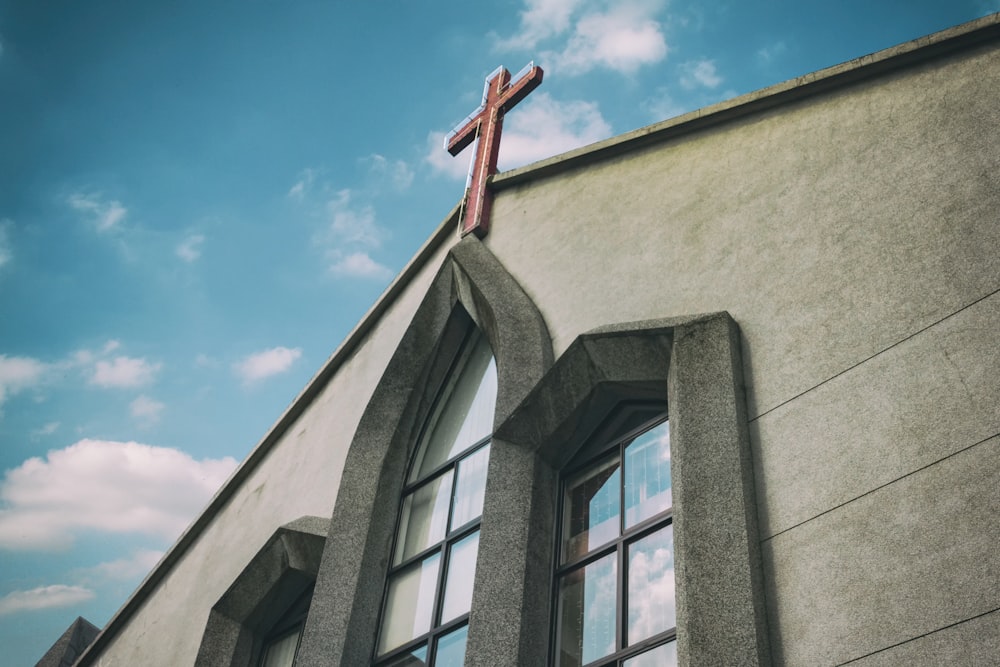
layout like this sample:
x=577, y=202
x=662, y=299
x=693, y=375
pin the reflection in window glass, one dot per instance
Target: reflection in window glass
x=647, y=475
x=424, y=518
x=591, y=514
x=465, y=415
x=461, y=574
x=415, y=658
x=664, y=655
x=471, y=488
x=587, y=612
x=451, y=649
x=651, y=585
x=409, y=604
x=281, y=652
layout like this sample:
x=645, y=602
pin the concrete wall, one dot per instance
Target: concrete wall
x=854, y=237
x=300, y=476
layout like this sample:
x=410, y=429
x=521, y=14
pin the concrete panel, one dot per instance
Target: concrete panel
x=830, y=228
x=914, y=404
x=908, y=559
x=972, y=643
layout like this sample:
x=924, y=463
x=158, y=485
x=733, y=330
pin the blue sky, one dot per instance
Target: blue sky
x=198, y=201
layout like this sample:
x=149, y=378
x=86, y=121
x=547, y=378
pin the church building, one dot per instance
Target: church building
x=721, y=391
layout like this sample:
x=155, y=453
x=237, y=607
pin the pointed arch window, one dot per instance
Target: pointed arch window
x=615, y=574
x=428, y=594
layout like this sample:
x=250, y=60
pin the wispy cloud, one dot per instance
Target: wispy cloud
x=104, y=486
x=264, y=364
x=6, y=253
x=124, y=372
x=353, y=224
x=47, y=429
x=397, y=173
x=146, y=410
x=189, y=250
x=541, y=128
x=20, y=373
x=302, y=185
x=350, y=232
x=663, y=105
x=700, y=73
x=578, y=36
x=135, y=566
x=771, y=52
x=359, y=265
x=104, y=214
x=44, y=597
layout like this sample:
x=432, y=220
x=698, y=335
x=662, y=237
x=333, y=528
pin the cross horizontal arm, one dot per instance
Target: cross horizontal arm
x=520, y=88
x=465, y=136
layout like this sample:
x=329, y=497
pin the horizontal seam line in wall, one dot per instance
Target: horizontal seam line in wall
x=882, y=486
x=869, y=358
x=926, y=634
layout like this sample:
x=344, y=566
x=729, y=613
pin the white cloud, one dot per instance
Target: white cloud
x=266, y=363
x=104, y=486
x=359, y=265
x=622, y=40
x=6, y=254
x=45, y=597
x=111, y=346
x=397, y=172
x=586, y=34
x=442, y=162
x=189, y=249
x=700, y=73
x=105, y=214
x=541, y=127
x=540, y=20
x=545, y=127
x=146, y=409
x=139, y=564
x=18, y=374
x=124, y=372
x=350, y=224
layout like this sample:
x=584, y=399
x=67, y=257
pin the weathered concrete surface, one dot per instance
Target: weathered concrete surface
x=311, y=453
x=910, y=558
x=931, y=395
x=972, y=643
x=830, y=228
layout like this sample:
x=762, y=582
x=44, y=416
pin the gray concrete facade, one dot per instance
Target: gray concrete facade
x=835, y=422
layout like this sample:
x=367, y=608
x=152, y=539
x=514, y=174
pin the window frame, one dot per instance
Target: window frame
x=615, y=441
x=445, y=391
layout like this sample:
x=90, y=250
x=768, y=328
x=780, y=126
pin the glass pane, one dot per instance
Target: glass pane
x=424, y=519
x=451, y=649
x=409, y=606
x=470, y=488
x=590, y=509
x=664, y=655
x=651, y=585
x=461, y=573
x=464, y=414
x=415, y=658
x=587, y=601
x=647, y=475
x=281, y=652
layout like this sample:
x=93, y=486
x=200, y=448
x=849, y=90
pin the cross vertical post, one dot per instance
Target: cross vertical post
x=486, y=124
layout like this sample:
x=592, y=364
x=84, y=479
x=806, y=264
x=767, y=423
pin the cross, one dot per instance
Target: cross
x=486, y=123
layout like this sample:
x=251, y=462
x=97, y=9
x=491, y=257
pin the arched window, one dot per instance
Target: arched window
x=428, y=592
x=615, y=572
